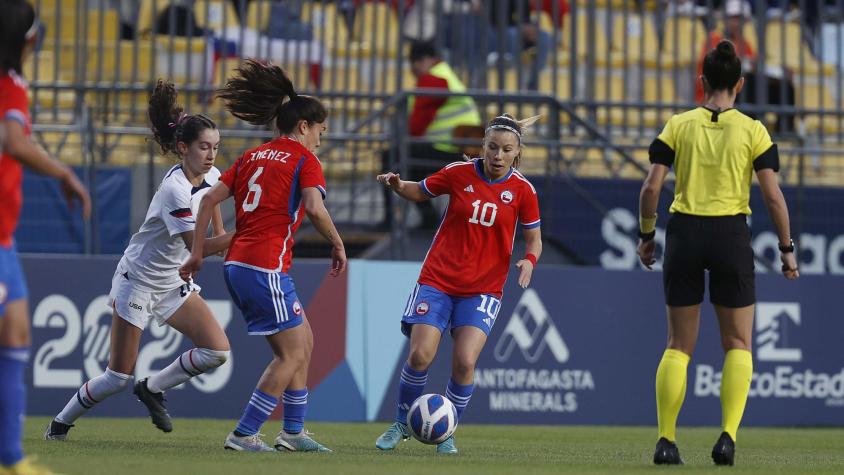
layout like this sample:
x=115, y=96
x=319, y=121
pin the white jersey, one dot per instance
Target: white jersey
x=156, y=251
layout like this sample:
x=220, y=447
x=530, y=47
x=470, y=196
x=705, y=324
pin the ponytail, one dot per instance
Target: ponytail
x=170, y=123
x=262, y=92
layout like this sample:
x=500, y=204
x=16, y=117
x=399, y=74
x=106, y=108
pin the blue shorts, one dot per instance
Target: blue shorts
x=267, y=300
x=430, y=306
x=12, y=282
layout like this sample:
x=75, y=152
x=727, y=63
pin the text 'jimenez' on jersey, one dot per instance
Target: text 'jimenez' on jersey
x=471, y=251
x=267, y=183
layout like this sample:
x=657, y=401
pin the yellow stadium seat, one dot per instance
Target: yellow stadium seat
x=813, y=94
x=561, y=89
x=636, y=39
x=329, y=26
x=148, y=13
x=258, y=15
x=122, y=61
x=600, y=47
x=376, y=30
x=683, y=41
x=217, y=15
x=784, y=46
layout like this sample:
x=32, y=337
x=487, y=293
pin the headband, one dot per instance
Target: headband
x=507, y=128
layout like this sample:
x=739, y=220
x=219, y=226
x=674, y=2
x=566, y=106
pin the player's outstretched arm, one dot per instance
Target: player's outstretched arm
x=318, y=214
x=31, y=155
x=533, y=245
x=409, y=190
x=207, y=204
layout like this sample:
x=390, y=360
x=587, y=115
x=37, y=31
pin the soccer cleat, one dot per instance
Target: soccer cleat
x=57, y=430
x=447, y=447
x=301, y=442
x=392, y=436
x=155, y=405
x=25, y=467
x=724, y=451
x=667, y=453
x=247, y=443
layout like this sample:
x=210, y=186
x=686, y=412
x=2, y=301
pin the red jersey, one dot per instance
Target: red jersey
x=14, y=105
x=471, y=251
x=267, y=183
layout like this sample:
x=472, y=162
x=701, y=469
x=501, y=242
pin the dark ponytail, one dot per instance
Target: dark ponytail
x=17, y=19
x=722, y=67
x=262, y=93
x=170, y=124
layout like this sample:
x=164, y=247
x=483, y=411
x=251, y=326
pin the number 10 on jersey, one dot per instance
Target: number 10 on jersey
x=487, y=213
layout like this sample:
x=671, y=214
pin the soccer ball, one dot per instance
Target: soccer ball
x=432, y=419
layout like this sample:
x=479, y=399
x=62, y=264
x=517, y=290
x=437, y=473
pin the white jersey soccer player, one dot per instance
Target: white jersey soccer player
x=146, y=284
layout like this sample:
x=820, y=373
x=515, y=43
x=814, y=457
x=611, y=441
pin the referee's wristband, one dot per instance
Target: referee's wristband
x=532, y=258
x=647, y=225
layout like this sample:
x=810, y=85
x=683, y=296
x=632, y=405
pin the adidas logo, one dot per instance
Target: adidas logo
x=469, y=189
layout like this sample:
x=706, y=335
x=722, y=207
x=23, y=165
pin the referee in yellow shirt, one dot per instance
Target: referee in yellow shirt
x=713, y=150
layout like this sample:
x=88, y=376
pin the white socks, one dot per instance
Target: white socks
x=189, y=364
x=91, y=393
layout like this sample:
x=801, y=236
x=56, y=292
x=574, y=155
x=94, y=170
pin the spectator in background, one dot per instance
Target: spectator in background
x=433, y=118
x=513, y=32
x=780, y=88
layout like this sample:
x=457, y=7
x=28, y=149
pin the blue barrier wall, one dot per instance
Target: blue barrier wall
x=610, y=241
x=580, y=346
x=47, y=225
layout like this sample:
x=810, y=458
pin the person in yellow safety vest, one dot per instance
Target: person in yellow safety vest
x=433, y=118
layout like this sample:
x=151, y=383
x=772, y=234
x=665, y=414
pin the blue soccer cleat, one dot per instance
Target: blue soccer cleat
x=392, y=436
x=447, y=447
x=247, y=443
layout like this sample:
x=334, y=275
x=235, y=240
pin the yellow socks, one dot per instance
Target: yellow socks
x=735, y=384
x=671, y=390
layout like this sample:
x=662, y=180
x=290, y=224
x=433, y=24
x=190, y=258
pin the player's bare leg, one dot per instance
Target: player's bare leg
x=293, y=436
x=424, y=341
x=290, y=350
x=469, y=341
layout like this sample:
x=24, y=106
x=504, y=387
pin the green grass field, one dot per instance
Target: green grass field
x=110, y=446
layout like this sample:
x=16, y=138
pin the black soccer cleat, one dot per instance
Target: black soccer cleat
x=57, y=430
x=155, y=404
x=724, y=451
x=667, y=453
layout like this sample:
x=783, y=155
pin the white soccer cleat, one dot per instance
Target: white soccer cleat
x=247, y=443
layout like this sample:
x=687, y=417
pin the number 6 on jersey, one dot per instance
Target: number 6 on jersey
x=254, y=195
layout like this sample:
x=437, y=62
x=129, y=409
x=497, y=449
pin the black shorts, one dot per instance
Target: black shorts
x=721, y=245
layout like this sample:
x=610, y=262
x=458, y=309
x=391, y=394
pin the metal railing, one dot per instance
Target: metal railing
x=605, y=74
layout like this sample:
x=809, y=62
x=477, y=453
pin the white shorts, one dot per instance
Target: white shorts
x=137, y=306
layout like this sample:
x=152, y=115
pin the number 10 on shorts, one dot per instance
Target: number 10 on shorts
x=489, y=305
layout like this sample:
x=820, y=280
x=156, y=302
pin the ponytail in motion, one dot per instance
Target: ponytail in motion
x=262, y=92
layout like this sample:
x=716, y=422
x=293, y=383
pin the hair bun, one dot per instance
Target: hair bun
x=726, y=48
